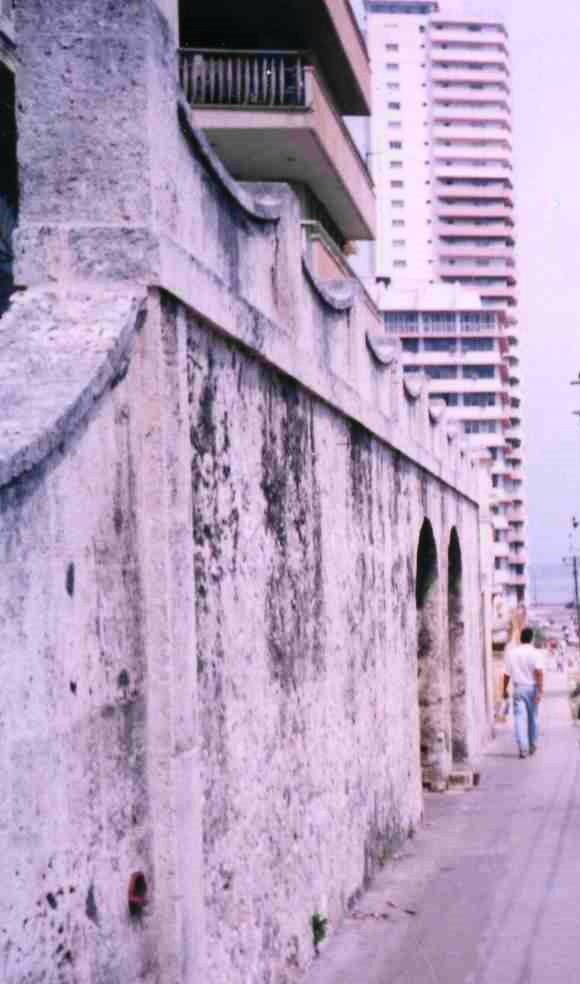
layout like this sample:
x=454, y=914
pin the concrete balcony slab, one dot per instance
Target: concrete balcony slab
x=306, y=143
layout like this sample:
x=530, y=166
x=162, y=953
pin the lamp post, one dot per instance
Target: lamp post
x=573, y=559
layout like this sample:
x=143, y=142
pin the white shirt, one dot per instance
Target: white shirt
x=520, y=663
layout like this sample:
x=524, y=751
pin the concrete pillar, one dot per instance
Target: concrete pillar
x=96, y=86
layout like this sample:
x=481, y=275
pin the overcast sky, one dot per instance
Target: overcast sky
x=545, y=41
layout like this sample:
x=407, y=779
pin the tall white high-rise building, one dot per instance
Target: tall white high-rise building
x=441, y=156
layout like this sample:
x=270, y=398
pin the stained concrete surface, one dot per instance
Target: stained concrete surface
x=492, y=877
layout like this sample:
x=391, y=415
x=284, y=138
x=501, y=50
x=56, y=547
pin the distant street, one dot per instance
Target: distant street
x=493, y=877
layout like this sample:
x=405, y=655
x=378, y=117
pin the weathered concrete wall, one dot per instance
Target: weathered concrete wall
x=96, y=623
x=305, y=536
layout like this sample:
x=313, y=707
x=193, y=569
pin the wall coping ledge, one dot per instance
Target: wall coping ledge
x=60, y=348
x=385, y=350
x=260, y=209
x=437, y=410
x=336, y=294
x=413, y=386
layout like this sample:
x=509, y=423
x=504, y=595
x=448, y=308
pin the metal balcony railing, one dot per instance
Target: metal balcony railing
x=244, y=79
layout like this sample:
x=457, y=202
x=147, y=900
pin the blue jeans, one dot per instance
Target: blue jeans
x=526, y=717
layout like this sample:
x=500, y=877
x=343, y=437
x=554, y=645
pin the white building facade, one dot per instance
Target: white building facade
x=441, y=158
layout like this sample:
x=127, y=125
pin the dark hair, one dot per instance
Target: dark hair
x=527, y=635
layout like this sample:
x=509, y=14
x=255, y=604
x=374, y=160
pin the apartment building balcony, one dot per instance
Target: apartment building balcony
x=497, y=273
x=479, y=211
x=519, y=558
x=460, y=153
x=501, y=498
x=496, y=293
x=326, y=28
x=446, y=111
x=458, y=54
x=471, y=76
x=467, y=32
x=501, y=550
x=517, y=580
x=492, y=134
x=500, y=522
x=516, y=537
x=270, y=117
x=492, y=252
x=456, y=229
x=467, y=171
x=501, y=578
x=462, y=386
x=458, y=357
x=514, y=438
x=453, y=193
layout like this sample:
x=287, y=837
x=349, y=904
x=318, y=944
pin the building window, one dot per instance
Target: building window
x=440, y=322
x=478, y=321
x=399, y=243
x=392, y=67
x=411, y=345
x=397, y=203
x=394, y=105
x=451, y=399
x=479, y=372
x=400, y=264
x=478, y=345
x=440, y=345
x=441, y=372
x=392, y=47
x=395, y=145
x=394, y=125
x=479, y=400
x=395, y=163
x=398, y=223
x=480, y=426
x=397, y=184
x=402, y=321
x=393, y=86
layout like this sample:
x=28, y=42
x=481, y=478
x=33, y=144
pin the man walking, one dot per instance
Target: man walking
x=524, y=666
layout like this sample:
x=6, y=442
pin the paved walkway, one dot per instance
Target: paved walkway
x=493, y=878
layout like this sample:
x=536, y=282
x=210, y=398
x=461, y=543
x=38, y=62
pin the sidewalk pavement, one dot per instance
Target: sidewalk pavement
x=488, y=892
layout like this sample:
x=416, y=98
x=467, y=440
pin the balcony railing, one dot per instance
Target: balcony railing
x=252, y=79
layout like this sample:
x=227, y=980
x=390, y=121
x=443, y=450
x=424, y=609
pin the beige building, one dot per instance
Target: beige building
x=463, y=350
x=442, y=159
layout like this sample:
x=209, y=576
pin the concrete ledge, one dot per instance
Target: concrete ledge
x=413, y=386
x=261, y=210
x=437, y=410
x=59, y=350
x=384, y=350
x=339, y=294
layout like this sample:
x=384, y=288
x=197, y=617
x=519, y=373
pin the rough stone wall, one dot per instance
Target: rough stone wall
x=98, y=693
x=228, y=498
x=73, y=725
x=305, y=538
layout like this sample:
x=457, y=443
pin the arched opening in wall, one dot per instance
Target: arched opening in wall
x=8, y=182
x=433, y=688
x=457, y=656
